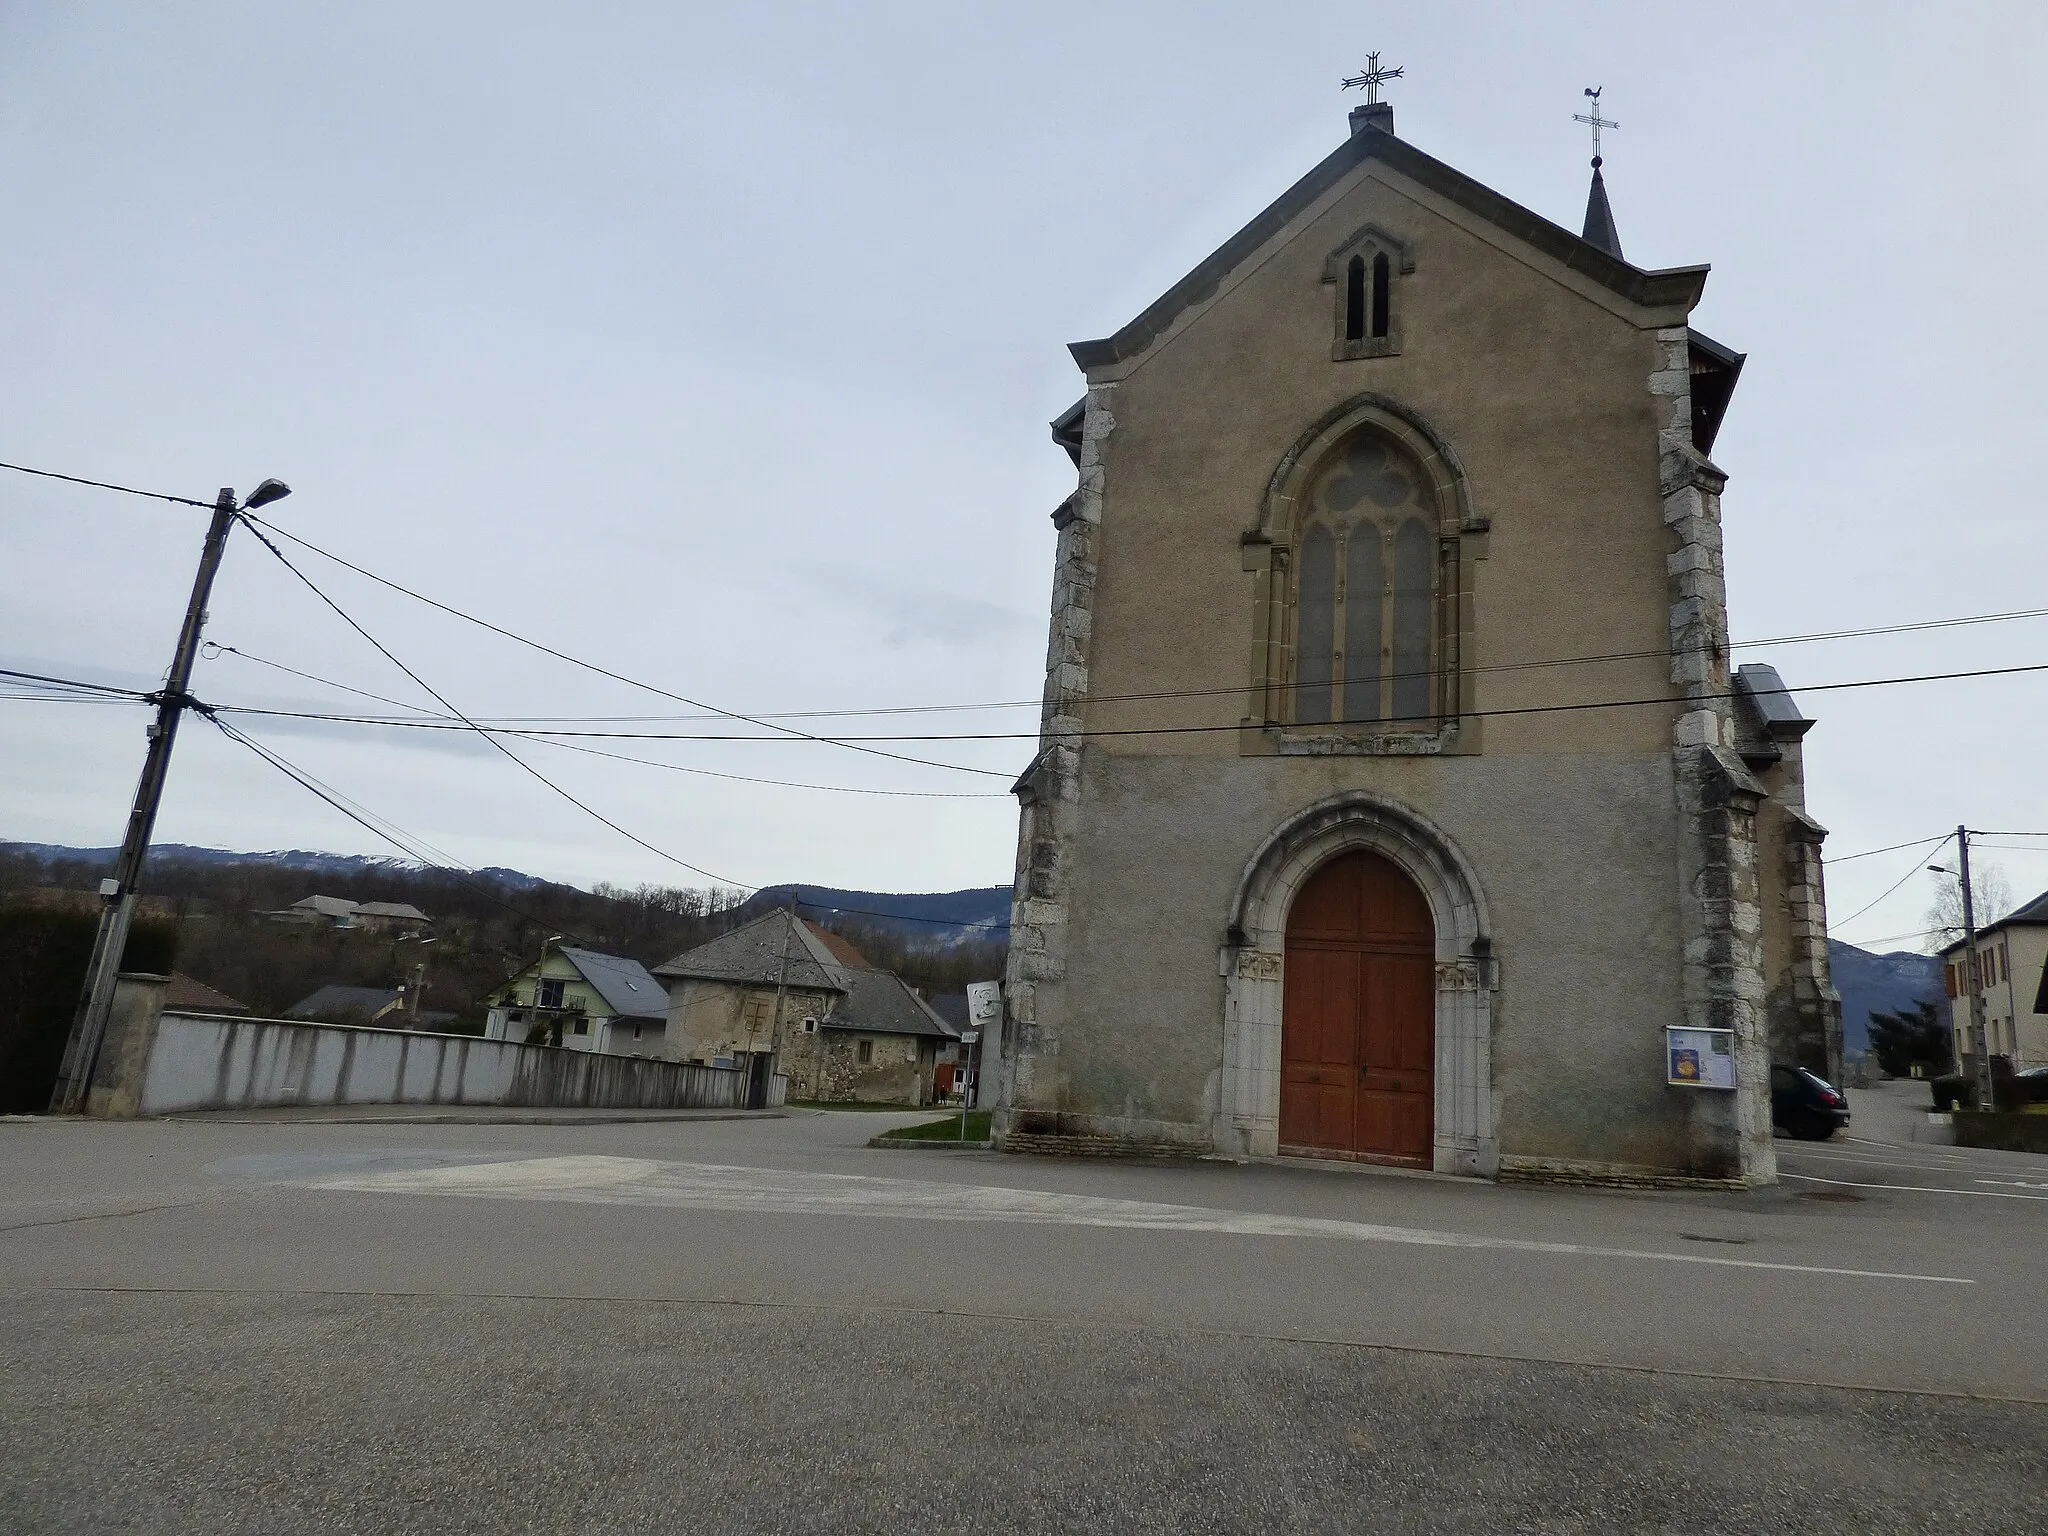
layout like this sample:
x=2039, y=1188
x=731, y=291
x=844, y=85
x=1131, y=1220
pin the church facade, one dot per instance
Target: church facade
x=1396, y=799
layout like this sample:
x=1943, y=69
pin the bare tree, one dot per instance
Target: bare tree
x=1989, y=889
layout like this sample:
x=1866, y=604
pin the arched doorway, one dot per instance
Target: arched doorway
x=1358, y=1020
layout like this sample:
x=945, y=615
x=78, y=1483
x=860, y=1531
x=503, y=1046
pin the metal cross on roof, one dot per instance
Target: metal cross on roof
x=1595, y=120
x=1373, y=78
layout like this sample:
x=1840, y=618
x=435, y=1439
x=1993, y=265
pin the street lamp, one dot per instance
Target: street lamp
x=419, y=976
x=1980, y=1030
x=118, y=891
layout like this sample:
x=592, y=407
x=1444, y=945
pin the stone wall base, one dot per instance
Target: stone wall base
x=1096, y=1146
x=1551, y=1170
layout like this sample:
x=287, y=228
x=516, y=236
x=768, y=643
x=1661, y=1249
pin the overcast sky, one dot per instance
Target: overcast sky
x=715, y=345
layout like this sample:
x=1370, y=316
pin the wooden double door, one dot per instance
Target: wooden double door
x=1358, y=1030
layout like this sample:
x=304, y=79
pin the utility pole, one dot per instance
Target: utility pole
x=775, y=1029
x=118, y=893
x=1972, y=973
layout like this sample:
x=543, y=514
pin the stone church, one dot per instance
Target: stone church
x=1396, y=799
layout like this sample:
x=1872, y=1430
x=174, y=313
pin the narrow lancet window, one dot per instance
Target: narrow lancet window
x=1354, y=300
x=1316, y=627
x=1379, y=294
x=1414, y=573
x=1363, y=590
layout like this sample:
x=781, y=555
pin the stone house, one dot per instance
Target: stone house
x=843, y=1030
x=1395, y=799
x=600, y=1002
x=341, y=912
x=2011, y=969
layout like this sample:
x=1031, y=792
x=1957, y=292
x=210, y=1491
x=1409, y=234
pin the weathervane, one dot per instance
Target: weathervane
x=1595, y=121
x=1372, y=79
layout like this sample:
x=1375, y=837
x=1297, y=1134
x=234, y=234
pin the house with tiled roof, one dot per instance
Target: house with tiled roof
x=802, y=998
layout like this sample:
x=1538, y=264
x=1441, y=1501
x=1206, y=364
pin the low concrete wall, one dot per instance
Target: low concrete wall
x=204, y=1061
x=2004, y=1132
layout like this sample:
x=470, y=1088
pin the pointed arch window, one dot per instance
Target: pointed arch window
x=1370, y=602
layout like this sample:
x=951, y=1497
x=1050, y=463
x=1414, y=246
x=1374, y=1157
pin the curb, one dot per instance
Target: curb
x=906, y=1144
x=504, y=1117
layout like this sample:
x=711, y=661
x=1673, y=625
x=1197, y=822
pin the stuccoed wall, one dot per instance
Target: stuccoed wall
x=1622, y=900
x=189, y=1062
x=1578, y=853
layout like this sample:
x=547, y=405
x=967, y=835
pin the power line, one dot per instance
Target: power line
x=1890, y=938
x=591, y=666
x=1665, y=701
x=1870, y=853
x=107, y=485
x=742, y=778
x=412, y=845
x=712, y=711
x=440, y=699
x=1889, y=891
x=1188, y=693
x=397, y=838
x=74, y=682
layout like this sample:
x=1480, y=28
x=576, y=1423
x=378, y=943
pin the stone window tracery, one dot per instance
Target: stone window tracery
x=1367, y=595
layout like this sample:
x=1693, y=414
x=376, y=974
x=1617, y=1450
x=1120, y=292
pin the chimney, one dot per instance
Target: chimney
x=1372, y=114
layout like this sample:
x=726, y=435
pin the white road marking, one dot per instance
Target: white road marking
x=1887, y=1162
x=1924, y=1189
x=2013, y=1183
x=717, y=1187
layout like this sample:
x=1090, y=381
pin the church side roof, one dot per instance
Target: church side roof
x=1679, y=286
x=753, y=954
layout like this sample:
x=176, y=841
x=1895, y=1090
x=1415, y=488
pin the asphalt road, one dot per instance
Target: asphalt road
x=765, y=1326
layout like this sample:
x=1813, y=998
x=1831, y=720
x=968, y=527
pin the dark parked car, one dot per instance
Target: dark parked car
x=2030, y=1085
x=1804, y=1106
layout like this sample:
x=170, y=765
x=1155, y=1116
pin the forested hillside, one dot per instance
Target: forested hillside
x=485, y=925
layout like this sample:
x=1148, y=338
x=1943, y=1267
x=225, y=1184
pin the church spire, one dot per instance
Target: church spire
x=1599, y=230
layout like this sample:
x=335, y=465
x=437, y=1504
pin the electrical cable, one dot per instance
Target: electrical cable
x=590, y=666
x=1870, y=853
x=214, y=648
x=440, y=699
x=1889, y=891
x=714, y=712
x=78, y=683
x=1665, y=700
x=411, y=845
x=105, y=485
x=1186, y=693
x=369, y=822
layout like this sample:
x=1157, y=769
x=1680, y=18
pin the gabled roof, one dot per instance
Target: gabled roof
x=754, y=954
x=839, y=947
x=1674, y=286
x=878, y=1003
x=2033, y=914
x=326, y=906
x=185, y=995
x=397, y=909
x=625, y=985
x=334, y=998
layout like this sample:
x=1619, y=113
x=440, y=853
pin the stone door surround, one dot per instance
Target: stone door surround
x=1253, y=961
